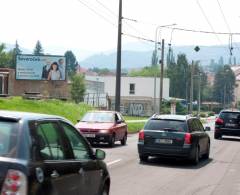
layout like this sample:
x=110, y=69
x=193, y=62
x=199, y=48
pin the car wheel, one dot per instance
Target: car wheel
x=217, y=136
x=195, y=159
x=124, y=140
x=206, y=155
x=105, y=190
x=112, y=141
x=143, y=158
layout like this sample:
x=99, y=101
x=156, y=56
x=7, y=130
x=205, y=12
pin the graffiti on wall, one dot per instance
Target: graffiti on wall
x=136, y=109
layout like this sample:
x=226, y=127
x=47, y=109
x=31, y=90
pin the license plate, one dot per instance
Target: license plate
x=163, y=141
x=89, y=135
x=230, y=125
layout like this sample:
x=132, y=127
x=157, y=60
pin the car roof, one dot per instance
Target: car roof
x=16, y=116
x=172, y=117
x=236, y=111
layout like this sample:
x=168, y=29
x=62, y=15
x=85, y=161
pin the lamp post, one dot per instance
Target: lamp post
x=158, y=28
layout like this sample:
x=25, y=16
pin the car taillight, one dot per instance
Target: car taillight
x=219, y=121
x=141, y=135
x=15, y=183
x=187, y=138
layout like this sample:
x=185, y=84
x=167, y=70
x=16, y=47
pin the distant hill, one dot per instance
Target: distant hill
x=142, y=56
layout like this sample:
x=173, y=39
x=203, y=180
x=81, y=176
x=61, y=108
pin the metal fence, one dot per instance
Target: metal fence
x=99, y=100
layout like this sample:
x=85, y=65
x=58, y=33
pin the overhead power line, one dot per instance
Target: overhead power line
x=140, y=38
x=223, y=15
x=98, y=14
x=201, y=31
x=209, y=23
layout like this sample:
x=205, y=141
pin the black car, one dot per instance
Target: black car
x=227, y=123
x=174, y=136
x=43, y=154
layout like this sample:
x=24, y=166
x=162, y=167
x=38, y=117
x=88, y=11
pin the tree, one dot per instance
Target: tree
x=5, y=57
x=38, y=49
x=15, y=52
x=224, y=83
x=154, y=61
x=146, y=72
x=71, y=63
x=78, y=88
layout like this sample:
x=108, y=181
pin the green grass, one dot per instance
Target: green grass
x=69, y=110
x=134, y=118
x=135, y=127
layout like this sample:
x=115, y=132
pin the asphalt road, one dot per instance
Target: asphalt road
x=219, y=175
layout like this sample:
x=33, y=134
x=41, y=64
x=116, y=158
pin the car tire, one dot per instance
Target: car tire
x=196, y=156
x=105, y=190
x=206, y=155
x=111, y=142
x=217, y=136
x=143, y=158
x=124, y=140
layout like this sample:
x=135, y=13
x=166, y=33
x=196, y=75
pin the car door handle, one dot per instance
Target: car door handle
x=55, y=174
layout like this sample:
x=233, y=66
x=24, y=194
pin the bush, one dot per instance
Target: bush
x=211, y=113
x=203, y=115
x=78, y=88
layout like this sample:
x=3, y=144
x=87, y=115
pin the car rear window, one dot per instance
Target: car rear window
x=8, y=139
x=162, y=124
x=230, y=115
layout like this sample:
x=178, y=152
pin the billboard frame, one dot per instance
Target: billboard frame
x=47, y=55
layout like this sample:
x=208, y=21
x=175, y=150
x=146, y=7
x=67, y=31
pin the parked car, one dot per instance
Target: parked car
x=174, y=136
x=227, y=123
x=43, y=154
x=103, y=126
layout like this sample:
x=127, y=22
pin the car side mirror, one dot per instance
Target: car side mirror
x=119, y=122
x=100, y=154
x=207, y=129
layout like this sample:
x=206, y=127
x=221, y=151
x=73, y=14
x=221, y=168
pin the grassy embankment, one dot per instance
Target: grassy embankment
x=69, y=110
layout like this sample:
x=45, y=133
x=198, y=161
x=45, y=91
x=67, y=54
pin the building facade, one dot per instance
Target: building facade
x=137, y=93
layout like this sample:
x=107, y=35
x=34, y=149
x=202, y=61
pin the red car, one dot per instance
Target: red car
x=103, y=126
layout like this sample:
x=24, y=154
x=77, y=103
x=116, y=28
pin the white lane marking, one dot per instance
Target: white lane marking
x=113, y=162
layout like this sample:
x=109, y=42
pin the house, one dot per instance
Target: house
x=137, y=93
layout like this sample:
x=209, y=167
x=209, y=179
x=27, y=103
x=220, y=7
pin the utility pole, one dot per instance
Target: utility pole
x=161, y=77
x=119, y=53
x=199, y=94
x=191, y=89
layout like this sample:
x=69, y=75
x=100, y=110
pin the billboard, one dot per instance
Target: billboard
x=44, y=67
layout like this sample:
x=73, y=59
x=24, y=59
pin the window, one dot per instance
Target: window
x=157, y=124
x=8, y=139
x=200, y=127
x=193, y=125
x=132, y=89
x=50, y=142
x=79, y=146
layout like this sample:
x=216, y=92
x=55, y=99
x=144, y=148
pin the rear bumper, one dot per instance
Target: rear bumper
x=184, y=152
x=230, y=132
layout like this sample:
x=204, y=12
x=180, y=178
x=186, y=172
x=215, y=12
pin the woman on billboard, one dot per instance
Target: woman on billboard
x=54, y=73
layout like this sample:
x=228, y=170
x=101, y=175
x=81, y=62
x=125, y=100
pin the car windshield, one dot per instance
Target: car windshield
x=169, y=125
x=8, y=139
x=101, y=117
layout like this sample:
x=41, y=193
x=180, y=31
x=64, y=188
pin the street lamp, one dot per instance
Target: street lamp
x=155, y=59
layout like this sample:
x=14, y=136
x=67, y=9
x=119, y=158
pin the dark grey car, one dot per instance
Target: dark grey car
x=43, y=154
x=174, y=136
x=228, y=123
